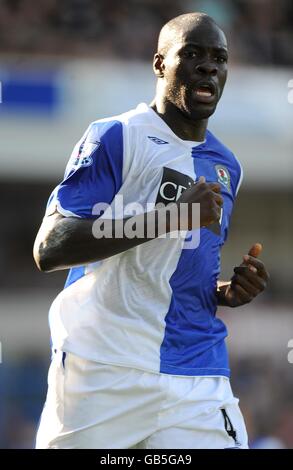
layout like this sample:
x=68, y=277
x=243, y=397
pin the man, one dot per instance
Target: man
x=139, y=356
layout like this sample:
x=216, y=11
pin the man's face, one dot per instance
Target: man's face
x=195, y=71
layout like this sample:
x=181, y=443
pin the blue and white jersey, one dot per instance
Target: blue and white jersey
x=152, y=307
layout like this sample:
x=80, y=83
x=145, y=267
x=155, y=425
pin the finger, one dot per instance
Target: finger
x=241, y=293
x=218, y=199
x=258, y=264
x=248, y=286
x=251, y=277
x=215, y=187
x=201, y=180
x=218, y=214
x=255, y=250
x=243, y=269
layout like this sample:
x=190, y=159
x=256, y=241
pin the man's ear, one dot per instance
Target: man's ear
x=158, y=65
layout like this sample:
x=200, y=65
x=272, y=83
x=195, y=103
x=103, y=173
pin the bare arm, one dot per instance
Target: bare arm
x=64, y=242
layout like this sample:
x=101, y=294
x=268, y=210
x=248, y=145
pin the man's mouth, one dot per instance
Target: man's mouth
x=205, y=93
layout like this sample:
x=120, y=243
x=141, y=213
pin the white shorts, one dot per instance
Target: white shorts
x=100, y=406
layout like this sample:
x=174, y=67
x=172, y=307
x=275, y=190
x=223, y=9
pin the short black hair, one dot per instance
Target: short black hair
x=179, y=25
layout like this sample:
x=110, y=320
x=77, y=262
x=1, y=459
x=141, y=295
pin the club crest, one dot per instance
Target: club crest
x=223, y=176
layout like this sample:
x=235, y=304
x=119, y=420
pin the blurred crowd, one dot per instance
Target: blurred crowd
x=261, y=31
x=264, y=389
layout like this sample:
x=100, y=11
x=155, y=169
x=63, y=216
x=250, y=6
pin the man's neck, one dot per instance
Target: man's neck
x=182, y=126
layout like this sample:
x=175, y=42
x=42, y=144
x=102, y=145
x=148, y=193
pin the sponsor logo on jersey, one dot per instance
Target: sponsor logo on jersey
x=223, y=176
x=172, y=185
x=157, y=140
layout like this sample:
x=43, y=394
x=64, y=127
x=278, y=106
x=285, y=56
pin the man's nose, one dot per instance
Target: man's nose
x=207, y=68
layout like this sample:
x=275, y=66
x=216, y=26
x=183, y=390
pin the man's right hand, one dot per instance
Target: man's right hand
x=208, y=195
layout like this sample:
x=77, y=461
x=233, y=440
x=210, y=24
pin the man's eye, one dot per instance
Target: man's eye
x=191, y=54
x=221, y=59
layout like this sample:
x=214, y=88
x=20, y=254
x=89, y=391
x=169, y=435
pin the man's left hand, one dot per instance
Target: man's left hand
x=249, y=280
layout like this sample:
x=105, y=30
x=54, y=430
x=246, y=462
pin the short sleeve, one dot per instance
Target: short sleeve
x=93, y=174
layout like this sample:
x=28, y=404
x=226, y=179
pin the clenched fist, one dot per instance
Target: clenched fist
x=208, y=195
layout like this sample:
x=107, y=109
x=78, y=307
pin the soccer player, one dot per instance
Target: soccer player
x=138, y=354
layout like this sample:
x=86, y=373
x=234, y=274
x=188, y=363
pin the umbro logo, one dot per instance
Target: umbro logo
x=157, y=140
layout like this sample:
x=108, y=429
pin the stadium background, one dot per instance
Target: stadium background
x=64, y=64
